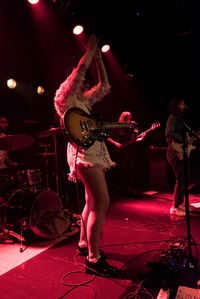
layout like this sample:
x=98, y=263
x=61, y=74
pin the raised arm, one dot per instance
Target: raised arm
x=74, y=81
x=102, y=73
x=103, y=87
x=91, y=50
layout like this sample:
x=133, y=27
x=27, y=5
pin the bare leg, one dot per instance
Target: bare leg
x=85, y=214
x=97, y=203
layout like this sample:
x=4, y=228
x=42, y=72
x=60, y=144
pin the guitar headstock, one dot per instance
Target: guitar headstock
x=155, y=125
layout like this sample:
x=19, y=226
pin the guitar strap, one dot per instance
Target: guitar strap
x=90, y=110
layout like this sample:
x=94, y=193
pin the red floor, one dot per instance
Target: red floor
x=136, y=233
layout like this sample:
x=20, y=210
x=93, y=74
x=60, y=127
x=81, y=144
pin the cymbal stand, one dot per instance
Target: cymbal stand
x=46, y=167
x=56, y=162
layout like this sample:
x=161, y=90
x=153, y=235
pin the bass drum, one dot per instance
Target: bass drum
x=41, y=214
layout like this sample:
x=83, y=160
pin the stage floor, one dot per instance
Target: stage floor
x=137, y=231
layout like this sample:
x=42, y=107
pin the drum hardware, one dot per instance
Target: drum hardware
x=52, y=132
x=41, y=215
x=23, y=222
x=29, y=179
x=44, y=145
x=13, y=234
x=19, y=208
x=6, y=233
x=45, y=154
x=56, y=159
x=15, y=220
x=46, y=163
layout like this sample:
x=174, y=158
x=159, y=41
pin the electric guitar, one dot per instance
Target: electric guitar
x=83, y=129
x=140, y=137
x=178, y=147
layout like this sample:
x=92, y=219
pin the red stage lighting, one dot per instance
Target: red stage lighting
x=78, y=29
x=33, y=1
x=105, y=48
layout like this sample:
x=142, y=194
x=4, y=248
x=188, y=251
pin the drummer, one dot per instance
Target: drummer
x=5, y=161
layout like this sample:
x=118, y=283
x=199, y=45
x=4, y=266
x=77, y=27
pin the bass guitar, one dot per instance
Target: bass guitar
x=83, y=129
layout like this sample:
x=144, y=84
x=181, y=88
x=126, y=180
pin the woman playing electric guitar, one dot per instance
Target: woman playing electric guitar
x=89, y=165
x=175, y=134
x=130, y=157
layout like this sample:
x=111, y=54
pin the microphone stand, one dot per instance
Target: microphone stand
x=185, y=160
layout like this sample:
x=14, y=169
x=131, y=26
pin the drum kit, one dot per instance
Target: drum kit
x=24, y=190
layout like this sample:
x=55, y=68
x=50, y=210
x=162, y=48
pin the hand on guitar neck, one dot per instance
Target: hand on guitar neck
x=135, y=139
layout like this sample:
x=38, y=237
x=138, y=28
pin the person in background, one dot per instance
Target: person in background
x=175, y=134
x=123, y=151
x=89, y=165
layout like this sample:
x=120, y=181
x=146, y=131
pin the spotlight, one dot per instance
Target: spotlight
x=33, y=1
x=11, y=83
x=105, y=48
x=78, y=29
x=40, y=90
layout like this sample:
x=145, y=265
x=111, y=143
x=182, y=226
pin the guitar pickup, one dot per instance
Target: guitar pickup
x=82, y=126
x=89, y=126
x=85, y=125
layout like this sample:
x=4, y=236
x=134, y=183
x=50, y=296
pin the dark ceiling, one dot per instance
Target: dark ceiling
x=151, y=40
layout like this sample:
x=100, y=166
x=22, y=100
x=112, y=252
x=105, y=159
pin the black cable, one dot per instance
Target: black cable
x=138, y=256
x=134, y=294
x=88, y=286
x=133, y=243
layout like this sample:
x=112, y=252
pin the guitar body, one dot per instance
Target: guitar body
x=178, y=147
x=78, y=125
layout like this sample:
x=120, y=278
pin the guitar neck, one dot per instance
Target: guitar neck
x=112, y=125
x=147, y=131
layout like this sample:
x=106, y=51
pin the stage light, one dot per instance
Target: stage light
x=105, y=48
x=33, y=1
x=40, y=90
x=11, y=83
x=78, y=29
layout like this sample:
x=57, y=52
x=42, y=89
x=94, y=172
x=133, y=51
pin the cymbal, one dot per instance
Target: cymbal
x=49, y=132
x=15, y=142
